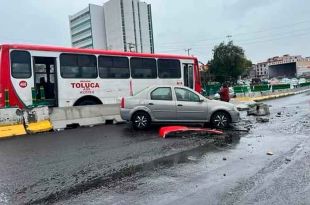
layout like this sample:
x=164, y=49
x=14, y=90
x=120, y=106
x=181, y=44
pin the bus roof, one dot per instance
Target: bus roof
x=91, y=51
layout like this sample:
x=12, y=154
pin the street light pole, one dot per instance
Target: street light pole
x=229, y=37
x=188, y=50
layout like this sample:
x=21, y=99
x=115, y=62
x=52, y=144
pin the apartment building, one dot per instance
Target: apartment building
x=261, y=70
x=124, y=25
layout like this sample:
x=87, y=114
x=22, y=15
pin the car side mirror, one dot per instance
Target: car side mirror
x=201, y=100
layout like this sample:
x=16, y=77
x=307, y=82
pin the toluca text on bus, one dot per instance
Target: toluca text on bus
x=31, y=75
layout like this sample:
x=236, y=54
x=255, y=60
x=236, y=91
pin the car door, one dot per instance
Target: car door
x=189, y=106
x=162, y=105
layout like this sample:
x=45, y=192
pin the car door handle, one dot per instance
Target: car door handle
x=151, y=103
x=179, y=105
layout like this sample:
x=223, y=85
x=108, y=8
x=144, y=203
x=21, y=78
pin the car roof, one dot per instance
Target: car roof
x=172, y=86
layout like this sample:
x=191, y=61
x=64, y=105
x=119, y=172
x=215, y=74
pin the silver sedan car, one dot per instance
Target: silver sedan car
x=175, y=104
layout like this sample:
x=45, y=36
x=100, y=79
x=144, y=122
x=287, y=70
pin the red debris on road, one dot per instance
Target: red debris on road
x=174, y=130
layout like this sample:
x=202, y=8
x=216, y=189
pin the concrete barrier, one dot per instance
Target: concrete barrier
x=85, y=115
x=11, y=122
x=14, y=122
x=37, y=120
x=258, y=109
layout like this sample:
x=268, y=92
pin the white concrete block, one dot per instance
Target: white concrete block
x=84, y=115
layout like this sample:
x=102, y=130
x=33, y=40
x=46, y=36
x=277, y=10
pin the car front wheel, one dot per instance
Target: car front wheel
x=141, y=121
x=220, y=119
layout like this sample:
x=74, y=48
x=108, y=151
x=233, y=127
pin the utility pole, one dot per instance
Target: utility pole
x=188, y=50
x=229, y=37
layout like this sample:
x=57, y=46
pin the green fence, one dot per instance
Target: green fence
x=211, y=88
x=241, y=89
x=304, y=84
x=260, y=88
x=281, y=87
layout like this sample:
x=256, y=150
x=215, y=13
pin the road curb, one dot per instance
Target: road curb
x=268, y=97
x=12, y=131
x=263, y=98
x=11, y=123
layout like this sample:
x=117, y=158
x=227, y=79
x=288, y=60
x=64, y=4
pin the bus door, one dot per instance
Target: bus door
x=188, y=75
x=45, y=80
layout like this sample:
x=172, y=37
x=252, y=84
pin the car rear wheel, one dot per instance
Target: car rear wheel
x=220, y=119
x=141, y=121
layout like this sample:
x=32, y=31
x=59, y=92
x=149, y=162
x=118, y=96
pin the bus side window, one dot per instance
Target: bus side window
x=20, y=64
x=113, y=67
x=169, y=68
x=78, y=66
x=88, y=66
x=143, y=68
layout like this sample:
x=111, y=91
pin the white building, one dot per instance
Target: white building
x=124, y=25
x=87, y=28
x=284, y=59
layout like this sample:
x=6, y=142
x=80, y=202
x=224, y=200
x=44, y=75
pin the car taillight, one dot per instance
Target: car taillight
x=123, y=103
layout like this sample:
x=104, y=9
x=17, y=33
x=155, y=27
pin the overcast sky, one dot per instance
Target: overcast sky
x=264, y=28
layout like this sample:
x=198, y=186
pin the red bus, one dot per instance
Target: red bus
x=76, y=77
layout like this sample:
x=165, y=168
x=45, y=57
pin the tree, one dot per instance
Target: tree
x=229, y=62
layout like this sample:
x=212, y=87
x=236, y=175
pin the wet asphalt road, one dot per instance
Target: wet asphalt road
x=115, y=165
x=247, y=176
x=45, y=168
